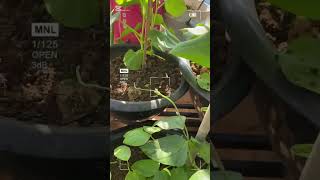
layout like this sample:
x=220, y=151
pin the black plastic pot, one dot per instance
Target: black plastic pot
x=51, y=141
x=143, y=109
x=257, y=51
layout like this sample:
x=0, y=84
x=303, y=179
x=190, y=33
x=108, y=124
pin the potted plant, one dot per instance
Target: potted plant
x=164, y=150
x=289, y=76
x=45, y=111
x=229, y=71
x=145, y=66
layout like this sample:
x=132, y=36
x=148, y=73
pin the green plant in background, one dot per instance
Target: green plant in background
x=76, y=13
x=134, y=60
x=302, y=150
x=195, y=48
x=300, y=63
x=172, y=156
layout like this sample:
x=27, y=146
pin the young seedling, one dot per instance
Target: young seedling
x=134, y=60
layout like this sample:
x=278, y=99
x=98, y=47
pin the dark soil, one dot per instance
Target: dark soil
x=49, y=93
x=162, y=70
x=282, y=26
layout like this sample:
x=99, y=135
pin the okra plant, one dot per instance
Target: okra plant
x=300, y=63
x=173, y=156
x=143, y=31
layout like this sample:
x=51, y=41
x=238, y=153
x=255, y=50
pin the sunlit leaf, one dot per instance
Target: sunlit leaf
x=196, y=50
x=127, y=2
x=171, y=122
x=146, y=167
x=133, y=59
x=190, y=33
x=203, y=81
x=151, y=130
x=136, y=137
x=203, y=174
x=164, y=40
x=201, y=149
x=158, y=19
x=122, y=152
x=170, y=150
x=175, y=8
x=132, y=175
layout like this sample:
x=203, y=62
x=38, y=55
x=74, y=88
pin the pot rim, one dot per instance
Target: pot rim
x=41, y=140
x=259, y=53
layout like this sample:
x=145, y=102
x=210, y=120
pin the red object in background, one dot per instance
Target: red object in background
x=132, y=16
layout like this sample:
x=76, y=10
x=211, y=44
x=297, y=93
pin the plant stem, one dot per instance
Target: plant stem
x=88, y=85
x=147, y=29
x=128, y=164
x=185, y=130
x=160, y=6
x=156, y=12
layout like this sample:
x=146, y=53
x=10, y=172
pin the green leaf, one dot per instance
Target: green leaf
x=204, y=109
x=302, y=150
x=146, y=167
x=151, y=130
x=136, y=137
x=203, y=174
x=179, y=174
x=161, y=175
x=170, y=150
x=133, y=59
x=226, y=175
x=132, y=175
x=164, y=40
x=74, y=13
x=128, y=30
x=301, y=64
x=175, y=8
x=171, y=122
x=138, y=26
x=204, y=152
x=203, y=81
x=196, y=50
x=201, y=149
x=191, y=33
x=307, y=8
x=127, y=2
x=158, y=19
x=122, y=152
